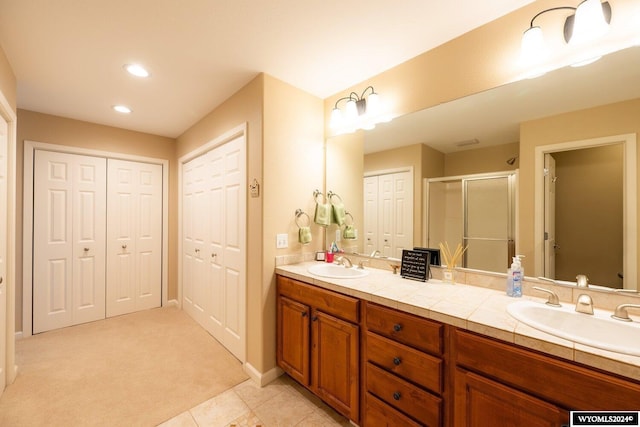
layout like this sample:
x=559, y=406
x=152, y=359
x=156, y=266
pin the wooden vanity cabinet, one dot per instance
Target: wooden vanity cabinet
x=497, y=383
x=318, y=342
x=403, y=369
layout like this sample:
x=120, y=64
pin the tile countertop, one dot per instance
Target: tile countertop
x=468, y=307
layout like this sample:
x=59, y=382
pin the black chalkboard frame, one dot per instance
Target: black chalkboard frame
x=415, y=265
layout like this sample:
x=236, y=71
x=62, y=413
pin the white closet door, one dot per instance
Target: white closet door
x=195, y=295
x=214, y=243
x=370, y=214
x=386, y=215
x=402, y=213
x=228, y=245
x=134, y=236
x=3, y=252
x=69, y=240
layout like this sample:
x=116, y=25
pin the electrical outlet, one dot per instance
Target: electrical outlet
x=282, y=241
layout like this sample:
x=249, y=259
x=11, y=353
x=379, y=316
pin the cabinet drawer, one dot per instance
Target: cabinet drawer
x=407, y=362
x=406, y=397
x=334, y=303
x=379, y=414
x=415, y=331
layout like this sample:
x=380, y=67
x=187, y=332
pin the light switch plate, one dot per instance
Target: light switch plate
x=338, y=236
x=282, y=241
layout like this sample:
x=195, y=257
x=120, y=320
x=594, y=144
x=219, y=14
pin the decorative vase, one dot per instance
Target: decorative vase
x=449, y=275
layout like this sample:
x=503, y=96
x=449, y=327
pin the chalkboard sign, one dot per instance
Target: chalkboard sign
x=415, y=265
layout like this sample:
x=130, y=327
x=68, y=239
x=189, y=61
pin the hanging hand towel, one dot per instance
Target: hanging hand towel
x=337, y=208
x=323, y=211
x=304, y=235
x=349, y=232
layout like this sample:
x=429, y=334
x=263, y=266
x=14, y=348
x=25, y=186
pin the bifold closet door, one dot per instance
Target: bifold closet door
x=134, y=236
x=69, y=239
x=214, y=243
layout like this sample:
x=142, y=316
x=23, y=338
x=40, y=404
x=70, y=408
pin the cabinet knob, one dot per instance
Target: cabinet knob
x=314, y=318
x=397, y=361
x=304, y=314
x=397, y=327
x=397, y=395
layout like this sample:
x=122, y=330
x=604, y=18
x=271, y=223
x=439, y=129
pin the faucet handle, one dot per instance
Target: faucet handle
x=361, y=263
x=621, y=312
x=582, y=281
x=553, y=299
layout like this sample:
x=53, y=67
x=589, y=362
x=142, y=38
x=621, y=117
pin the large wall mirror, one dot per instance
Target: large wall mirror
x=496, y=131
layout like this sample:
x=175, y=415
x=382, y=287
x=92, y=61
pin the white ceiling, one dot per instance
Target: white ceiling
x=67, y=55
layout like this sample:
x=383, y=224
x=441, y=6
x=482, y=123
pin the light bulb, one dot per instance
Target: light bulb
x=336, y=119
x=589, y=22
x=532, y=49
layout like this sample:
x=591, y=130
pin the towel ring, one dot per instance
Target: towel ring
x=316, y=193
x=331, y=195
x=348, y=214
x=300, y=213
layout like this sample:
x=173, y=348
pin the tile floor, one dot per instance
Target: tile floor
x=282, y=403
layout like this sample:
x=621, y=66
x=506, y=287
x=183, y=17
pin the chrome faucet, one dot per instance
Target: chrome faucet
x=582, y=281
x=374, y=253
x=553, y=299
x=621, y=312
x=584, y=304
x=361, y=263
x=344, y=261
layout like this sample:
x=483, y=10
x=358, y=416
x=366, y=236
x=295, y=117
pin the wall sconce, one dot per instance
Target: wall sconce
x=360, y=112
x=589, y=22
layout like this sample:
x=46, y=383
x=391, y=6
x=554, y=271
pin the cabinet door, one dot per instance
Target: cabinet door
x=293, y=339
x=335, y=357
x=480, y=402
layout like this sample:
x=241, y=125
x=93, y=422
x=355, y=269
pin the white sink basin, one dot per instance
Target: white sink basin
x=598, y=330
x=335, y=271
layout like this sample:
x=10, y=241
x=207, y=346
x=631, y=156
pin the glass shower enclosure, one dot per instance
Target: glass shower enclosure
x=477, y=211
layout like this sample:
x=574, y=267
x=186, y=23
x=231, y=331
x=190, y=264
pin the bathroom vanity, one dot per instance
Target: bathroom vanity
x=383, y=351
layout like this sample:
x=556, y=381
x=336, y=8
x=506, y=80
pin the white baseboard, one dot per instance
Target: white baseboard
x=172, y=303
x=19, y=335
x=262, y=379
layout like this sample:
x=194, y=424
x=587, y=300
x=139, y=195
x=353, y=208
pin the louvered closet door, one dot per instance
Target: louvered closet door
x=134, y=236
x=69, y=240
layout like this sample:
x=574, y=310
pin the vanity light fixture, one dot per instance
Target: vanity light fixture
x=589, y=21
x=122, y=109
x=360, y=112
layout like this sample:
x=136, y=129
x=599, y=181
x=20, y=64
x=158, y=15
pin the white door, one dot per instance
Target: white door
x=68, y=239
x=386, y=212
x=195, y=232
x=214, y=243
x=134, y=236
x=550, y=244
x=370, y=214
x=402, y=213
x=3, y=252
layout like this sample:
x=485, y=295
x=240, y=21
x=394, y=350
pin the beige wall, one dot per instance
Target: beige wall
x=481, y=160
x=588, y=214
x=58, y=130
x=614, y=119
x=8, y=84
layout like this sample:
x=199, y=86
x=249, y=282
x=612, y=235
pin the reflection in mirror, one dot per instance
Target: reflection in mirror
x=586, y=195
x=476, y=211
x=432, y=141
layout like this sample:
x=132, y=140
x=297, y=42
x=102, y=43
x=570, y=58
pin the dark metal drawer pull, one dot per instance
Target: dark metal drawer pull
x=397, y=327
x=397, y=395
x=397, y=361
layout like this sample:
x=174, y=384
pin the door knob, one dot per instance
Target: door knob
x=124, y=246
x=1, y=279
x=86, y=249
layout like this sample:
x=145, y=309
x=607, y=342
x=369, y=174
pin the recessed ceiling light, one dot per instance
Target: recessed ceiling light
x=122, y=109
x=137, y=70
